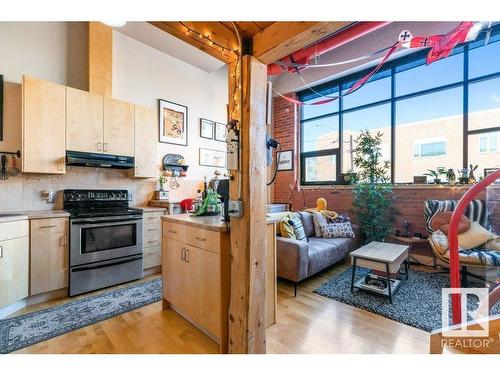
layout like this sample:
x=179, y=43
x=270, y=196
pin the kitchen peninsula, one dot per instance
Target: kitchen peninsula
x=196, y=272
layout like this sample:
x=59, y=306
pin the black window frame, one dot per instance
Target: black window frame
x=389, y=70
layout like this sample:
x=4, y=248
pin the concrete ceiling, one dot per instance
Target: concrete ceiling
x=158, y=39
x=384, y=37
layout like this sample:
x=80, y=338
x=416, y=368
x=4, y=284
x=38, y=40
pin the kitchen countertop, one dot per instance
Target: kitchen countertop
x=37, y=214
x=209, y=222
x=151, y=209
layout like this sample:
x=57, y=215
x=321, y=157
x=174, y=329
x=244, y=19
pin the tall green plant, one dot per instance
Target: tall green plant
x=373, y=193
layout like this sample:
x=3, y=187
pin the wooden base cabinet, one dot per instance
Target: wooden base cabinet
x=49, y=255
x=152, y=239
x=14, y=262
x=196, y=277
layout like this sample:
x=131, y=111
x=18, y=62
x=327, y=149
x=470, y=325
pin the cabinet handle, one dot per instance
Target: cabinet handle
x=99, y=146
x=105, y=147
x=186, y=256
x=1, y=251
x=46, y=226
x=183, y=254
x=200, y=238
x=172, y=231
x=60, y=166
x=65, y=240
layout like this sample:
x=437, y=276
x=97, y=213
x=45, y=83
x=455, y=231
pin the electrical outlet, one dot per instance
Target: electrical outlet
x=130, y=197
x=235, y=208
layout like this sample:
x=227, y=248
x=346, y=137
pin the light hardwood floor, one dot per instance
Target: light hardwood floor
x=308, y=323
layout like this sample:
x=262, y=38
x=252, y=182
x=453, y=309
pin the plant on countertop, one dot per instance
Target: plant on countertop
x=210, y=205
x=373, y=192
x=436, y=175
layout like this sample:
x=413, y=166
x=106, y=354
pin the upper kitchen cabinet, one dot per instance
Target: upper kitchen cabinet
x=146, y=127
x=84, y=121
x=44, y=122
x=118, y=127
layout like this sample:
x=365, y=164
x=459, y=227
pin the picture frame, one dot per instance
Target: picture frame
x=212, y=158
x=173, y=127
x=206, y=128
x=220, y=132
x=1, y=107
x=488, y=171
x=285, y=160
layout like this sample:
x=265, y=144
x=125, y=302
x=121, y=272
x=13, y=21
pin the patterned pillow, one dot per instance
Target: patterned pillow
x=298, y=227
x=339, y=219
x=337, y=230
x=286, y=229
x=318, y=220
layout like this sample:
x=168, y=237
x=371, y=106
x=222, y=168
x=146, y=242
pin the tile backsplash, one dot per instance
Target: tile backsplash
x=24, y=193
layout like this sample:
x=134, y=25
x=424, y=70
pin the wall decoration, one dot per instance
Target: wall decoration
x=1, y=107
x=212, y=158
x=173, y=123
x=220, y=132
x=286, y=160
x=206, y=128
x=488, y=171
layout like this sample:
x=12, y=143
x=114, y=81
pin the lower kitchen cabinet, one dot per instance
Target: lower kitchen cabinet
x=49, y=255
x=152, y=239
x=196, y=277
x=14, y=262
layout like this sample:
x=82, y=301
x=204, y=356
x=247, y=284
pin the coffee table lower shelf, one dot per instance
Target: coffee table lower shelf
x=395, y=284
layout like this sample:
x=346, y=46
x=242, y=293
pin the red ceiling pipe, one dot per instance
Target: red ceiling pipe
x=336, y=40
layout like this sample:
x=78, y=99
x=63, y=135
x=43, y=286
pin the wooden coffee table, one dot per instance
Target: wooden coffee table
x=383, y=257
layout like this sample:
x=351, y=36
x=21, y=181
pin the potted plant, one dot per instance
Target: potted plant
x=436, y=174
x=373, y=192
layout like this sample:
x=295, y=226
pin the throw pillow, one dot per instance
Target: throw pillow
x=440, y=242
x=318, y=220
x=298, y=228
x=493, y=244
x=442, y=220
x=339, y=219
x=286, y=229
x=337, y=230
x=476, y=236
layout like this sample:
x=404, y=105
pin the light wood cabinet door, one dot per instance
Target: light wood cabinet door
x=84, y=121
x=49, y=255
x=175, y=278
x=14, y=266
x=203, y=290
x=44, y=127
x=118, y=127
x=146, y=134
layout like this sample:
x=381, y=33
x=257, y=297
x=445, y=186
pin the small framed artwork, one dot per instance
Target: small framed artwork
x=212, y=158
x=173, y=123
x=488, y=171
x=206, y=128
x=220, y=132
x=285, y=160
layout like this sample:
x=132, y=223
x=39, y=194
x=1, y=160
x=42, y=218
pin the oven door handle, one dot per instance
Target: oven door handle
x=131, y=219
x=86, y=268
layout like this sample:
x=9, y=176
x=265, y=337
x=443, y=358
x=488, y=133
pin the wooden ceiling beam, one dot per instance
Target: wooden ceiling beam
x=283, y=38
x=218, y=33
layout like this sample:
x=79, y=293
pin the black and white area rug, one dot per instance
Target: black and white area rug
x=25, y=330
x=417, y=302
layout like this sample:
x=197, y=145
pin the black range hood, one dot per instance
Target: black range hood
x=89, y=159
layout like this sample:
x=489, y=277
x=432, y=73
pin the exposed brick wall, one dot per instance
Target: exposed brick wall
x=285, y=131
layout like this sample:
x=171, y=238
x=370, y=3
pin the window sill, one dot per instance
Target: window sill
x=394, y=186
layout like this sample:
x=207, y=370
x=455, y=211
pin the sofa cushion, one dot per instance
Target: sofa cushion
x=318, y=219
x=442, y=220
x=298, y=228
x=286, y=229
x=337, y=230
x=475, y=236
x=475, y=211
x=324, y=252
x=307, y=222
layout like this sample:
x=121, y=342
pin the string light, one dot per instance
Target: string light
x=193, y=34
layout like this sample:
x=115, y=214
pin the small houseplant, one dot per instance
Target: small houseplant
x=436, y=174
x=373, y=192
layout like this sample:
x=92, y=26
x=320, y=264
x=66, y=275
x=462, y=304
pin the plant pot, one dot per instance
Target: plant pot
x=437, y=181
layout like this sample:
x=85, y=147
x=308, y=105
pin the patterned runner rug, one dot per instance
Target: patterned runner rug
x=25, y=330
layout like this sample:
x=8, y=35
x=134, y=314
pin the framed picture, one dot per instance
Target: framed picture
x=173, y=123
x=286, y=160
x=212, y=158
x=1, y=107
x=220, y=132
x=488, y=171
x=206, y=128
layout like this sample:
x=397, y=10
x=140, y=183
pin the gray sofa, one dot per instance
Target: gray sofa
x=297, y=260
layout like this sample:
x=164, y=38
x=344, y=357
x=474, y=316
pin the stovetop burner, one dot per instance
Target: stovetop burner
x=97, y=203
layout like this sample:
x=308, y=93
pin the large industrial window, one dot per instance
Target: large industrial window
x=446, y=114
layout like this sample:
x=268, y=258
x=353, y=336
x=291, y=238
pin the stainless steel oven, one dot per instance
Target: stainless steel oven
x=105, y=239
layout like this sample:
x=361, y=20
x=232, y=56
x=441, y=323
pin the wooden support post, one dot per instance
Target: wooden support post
x=100, y=59
x=248, y=233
